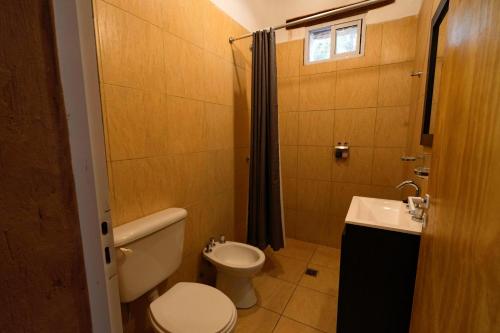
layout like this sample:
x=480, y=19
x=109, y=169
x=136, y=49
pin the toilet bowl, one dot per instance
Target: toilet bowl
x=236, y=264
x=192, y=307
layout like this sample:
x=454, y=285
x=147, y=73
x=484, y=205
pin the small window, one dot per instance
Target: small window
x=334, y=40
x=320, y=42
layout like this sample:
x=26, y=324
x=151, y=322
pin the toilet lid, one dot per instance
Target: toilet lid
x=192, y=307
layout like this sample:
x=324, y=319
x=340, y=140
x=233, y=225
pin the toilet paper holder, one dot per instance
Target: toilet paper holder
x=341, y=151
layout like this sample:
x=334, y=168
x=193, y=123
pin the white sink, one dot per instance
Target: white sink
x=382, y=214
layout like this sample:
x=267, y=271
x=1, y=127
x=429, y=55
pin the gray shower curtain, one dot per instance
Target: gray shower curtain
x=264, y=203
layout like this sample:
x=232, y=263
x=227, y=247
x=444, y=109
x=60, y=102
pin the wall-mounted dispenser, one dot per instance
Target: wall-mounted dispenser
x=342, y=151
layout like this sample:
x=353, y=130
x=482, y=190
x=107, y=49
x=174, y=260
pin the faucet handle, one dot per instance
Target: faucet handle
x=211, y=241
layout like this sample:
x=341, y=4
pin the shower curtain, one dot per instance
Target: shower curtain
x=265, y=221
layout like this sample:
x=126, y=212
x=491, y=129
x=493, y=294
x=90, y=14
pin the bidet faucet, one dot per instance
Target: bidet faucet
x=412, y=184
x=210, y=245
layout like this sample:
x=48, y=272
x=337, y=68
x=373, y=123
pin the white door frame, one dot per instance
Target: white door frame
x=76, y=50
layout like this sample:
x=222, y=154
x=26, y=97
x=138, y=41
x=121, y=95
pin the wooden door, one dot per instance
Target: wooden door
x=458, y=279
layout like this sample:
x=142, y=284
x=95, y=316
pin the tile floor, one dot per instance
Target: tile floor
x=290, y=301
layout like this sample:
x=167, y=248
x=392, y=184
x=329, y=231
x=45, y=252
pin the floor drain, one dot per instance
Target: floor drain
x=311, y=272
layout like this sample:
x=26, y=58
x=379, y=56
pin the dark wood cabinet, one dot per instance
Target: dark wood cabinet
x=377, y=278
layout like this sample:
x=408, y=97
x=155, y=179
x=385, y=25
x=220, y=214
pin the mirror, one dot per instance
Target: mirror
x=437, y=45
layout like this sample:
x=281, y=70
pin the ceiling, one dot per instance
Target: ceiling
x=260, y=14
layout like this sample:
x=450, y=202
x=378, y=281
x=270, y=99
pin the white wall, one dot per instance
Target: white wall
x=261, y=14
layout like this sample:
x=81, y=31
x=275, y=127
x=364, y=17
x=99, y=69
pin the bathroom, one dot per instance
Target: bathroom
x=131, y=125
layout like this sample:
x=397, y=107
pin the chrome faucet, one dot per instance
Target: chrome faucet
x=412, y=184
x=210, y=245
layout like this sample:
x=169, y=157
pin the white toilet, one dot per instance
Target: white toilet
x=148, y=251
x=236, y=264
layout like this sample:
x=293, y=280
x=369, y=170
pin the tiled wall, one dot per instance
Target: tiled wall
x=364, y=101
x=176, y=119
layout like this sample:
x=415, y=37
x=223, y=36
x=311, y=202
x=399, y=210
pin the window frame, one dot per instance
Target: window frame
x=358, y=20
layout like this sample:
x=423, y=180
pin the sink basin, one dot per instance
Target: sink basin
x=382, y=214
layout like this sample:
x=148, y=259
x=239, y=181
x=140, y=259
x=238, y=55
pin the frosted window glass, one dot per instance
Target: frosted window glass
x=320, y=44
x=346, y=39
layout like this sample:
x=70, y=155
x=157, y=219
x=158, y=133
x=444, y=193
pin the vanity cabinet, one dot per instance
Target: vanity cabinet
x=377, y=278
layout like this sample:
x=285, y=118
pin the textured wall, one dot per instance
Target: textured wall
x=364, y=101
x=176, y=119
x=42, y=279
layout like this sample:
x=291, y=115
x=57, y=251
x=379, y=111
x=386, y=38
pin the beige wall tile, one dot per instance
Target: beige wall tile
x=289, y=58
x=371, y=57
x=224, y=170
x=185, y=132
x=217, y=28
x=129, y=184
x=183, y=16
x=313, y=196
x=242, y=127
x=286, y=325
x=357, y=88
x=153, y=11
x=218, y=79
x=289, y=128
x=315, y=128
x=398, y=40
x=155, y=107
x=241, y=92
x=153, y=75
x=256, y=319
x=219, y=130
x=323, y=67
x=122, y=46
x=290, y=222
x=126, y=117
x=241, y=168
x=288, y=94
x=289, y=193
x=392, y=126
x=309, y=307
x=387, y=166
x=331, y=231
x=395, y=84
x=387, y=192
x=342, y=194
x=272, y=293
x=314, y=162
x=356, y=169
x=355, y=126
x=289, y=161
x=184, y=64
x=317, y=92
x=310, y=226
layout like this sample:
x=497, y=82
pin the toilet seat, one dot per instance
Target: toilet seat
x=193, y=307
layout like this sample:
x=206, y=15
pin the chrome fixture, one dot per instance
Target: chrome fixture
x=422, y=172
x=341, y=151
x=222, y=239
x=412, y=184
x=419, y=74
x=210, y=245
x=416, y=206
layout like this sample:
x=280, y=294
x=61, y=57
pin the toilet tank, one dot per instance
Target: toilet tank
x=148, y=251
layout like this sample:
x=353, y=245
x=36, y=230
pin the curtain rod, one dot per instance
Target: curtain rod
x=318, y=16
